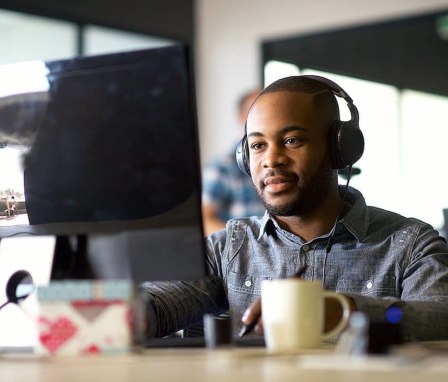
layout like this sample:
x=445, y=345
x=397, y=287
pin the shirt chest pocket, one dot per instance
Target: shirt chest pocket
x=375, y=287
x=238, y=283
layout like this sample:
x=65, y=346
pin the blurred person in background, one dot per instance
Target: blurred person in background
x=227, y=192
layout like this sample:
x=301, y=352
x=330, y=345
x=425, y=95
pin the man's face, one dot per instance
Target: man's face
x=289, y=154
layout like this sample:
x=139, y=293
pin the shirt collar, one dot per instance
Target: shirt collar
x=355, y=221
x=264, y=222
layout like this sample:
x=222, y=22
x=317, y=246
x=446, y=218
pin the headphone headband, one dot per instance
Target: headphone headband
x=341, y=93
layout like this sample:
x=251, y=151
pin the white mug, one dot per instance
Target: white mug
x=293, y=314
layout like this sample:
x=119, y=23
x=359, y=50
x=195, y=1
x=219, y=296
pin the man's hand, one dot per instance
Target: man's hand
x=253, y=316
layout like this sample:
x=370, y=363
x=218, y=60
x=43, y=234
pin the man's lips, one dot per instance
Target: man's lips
x=278, y=183
x=277, y=180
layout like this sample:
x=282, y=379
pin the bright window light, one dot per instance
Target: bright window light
x=28, y=37
x=424, y=138
x=26, y=77
x=274, y=70
x=99, y=40
x=11, y=170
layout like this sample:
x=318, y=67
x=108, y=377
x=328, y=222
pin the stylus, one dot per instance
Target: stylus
x=245, y=329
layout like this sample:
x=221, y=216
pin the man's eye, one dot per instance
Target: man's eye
x=292, y=141
x=256, y=146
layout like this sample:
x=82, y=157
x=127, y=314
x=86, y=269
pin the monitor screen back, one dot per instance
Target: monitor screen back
x=112, y=154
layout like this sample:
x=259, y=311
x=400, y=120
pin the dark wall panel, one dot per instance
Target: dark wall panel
x=407, y=53
x=166, y=18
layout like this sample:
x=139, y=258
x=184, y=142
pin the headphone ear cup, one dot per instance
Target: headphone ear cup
x=242, y=156
x=334, y=146
x=347, y=144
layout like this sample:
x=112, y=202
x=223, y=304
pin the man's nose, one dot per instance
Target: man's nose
x=274, y=156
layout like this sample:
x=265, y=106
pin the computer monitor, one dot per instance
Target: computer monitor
x=110, y=166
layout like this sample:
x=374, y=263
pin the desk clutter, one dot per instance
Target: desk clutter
x=85, y=317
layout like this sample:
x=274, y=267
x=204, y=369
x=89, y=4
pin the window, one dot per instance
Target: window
x=24, y=37
x=100, y=40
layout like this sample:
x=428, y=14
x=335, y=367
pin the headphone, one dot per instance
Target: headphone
x=346, y=138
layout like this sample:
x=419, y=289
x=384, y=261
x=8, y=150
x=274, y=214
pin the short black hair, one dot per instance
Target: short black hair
x=323, y=96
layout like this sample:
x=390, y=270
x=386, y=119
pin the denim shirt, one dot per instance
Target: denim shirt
x=379, y=258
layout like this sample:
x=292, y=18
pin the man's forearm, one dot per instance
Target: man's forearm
x=172, y=306
x=420, y=320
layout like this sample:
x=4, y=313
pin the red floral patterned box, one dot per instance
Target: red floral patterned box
x=85, y=317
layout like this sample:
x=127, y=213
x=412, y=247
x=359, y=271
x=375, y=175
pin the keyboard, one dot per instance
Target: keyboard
x=192, y=342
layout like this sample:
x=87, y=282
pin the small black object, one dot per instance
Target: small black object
x=382, y=336
x=217, y=331
x=18, y=287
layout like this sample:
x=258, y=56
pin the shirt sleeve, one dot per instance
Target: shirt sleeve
x=174, y=305
x=424, y=294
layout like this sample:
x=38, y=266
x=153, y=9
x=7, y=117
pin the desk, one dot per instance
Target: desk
x=229, y=365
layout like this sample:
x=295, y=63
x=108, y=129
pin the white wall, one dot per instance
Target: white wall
x=228, y=50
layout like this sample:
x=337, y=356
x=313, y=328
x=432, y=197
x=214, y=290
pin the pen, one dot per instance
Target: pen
x=245, y=329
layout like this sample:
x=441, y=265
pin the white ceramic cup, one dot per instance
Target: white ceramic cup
x=293, y=314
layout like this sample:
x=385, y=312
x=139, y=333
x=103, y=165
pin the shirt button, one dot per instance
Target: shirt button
x=305, y=248
x=369, y=285
x=248, y=283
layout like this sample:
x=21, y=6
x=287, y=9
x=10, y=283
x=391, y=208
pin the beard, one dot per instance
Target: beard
x=311, y=193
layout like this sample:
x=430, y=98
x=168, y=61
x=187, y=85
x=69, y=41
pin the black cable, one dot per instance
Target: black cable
x=330, y=239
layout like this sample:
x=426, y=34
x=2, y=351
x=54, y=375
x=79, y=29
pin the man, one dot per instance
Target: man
x=226, y=192
x=375, y=257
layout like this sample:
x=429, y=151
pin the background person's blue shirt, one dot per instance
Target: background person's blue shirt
x=229, y=190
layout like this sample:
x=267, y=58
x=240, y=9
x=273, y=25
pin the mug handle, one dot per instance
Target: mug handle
x=345, y=314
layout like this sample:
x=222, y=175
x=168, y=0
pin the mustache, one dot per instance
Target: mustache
x=280, y=173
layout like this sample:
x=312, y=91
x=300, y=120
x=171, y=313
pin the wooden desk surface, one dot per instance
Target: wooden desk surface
x=229, y=365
